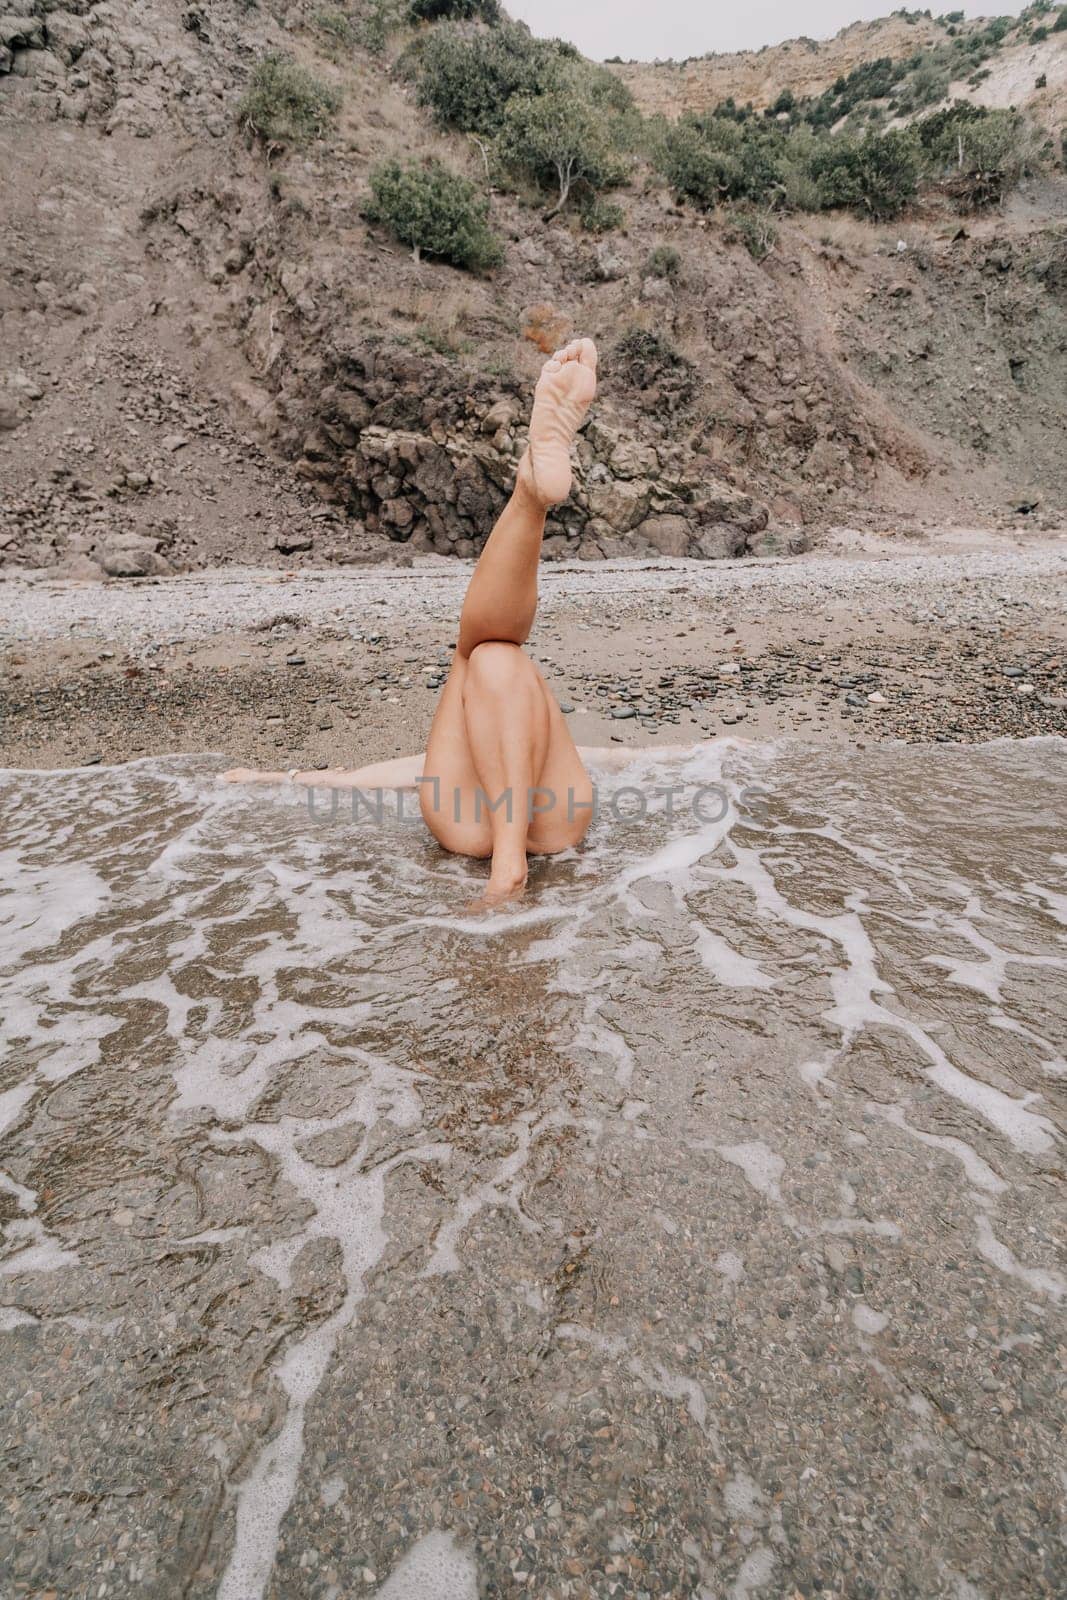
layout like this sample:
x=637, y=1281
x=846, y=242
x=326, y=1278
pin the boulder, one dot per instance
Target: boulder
x=68, y=35
x=669, y=535
x=398, y=517
x=291, y=542
x=82, y=567
x=631, y=459
x=621, y=503
x=131, y=555
x=533, y=252
x=42, y=64
x=500, y=415
x=21, y=33
x=719, y=542
x=611, y=262
x=10, y=412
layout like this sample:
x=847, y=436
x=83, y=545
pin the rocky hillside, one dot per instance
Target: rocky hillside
x=207, y=352
x=1009, y=69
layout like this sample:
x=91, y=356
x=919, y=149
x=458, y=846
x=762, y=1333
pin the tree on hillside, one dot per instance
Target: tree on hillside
x=559, y=139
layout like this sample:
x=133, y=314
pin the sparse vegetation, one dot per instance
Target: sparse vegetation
x=544, y=114
x=377, y=19
x=977, y=155
x=600, y=216
x=336, y=26
x=756, y=231
x=462, y=10
x=286, y=104
x=652, y=364
x=435, y=211
x=664, y=262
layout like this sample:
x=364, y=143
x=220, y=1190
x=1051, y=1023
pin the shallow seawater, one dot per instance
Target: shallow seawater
x=687, y=1228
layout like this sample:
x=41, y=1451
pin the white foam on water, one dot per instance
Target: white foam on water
x=987, y=977
x=436, y=1568
x=11, y=1317
x=1054, y=1065
x=756, y=1572
x=350, y=1212
x=1054, y=902
x=962, y=1588
x=742, y=1498
x=217, y=867
x=12, y=1102
x=853, y=989
x=761, y=1166
x=40, y=1253
x=25, y=1199
x=332, y=1491
x=1044, y=1281
x=730, y=1266
x=727, y=965
x=502, y=1190
x=979, y=1172
x=877, y=1227
x=40, y=904
x=867, y=1320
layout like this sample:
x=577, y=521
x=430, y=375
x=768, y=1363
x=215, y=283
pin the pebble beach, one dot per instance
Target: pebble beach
x=328, y=668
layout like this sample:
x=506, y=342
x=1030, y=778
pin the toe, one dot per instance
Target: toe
x=587, y=352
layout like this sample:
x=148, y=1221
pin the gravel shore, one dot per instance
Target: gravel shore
x=335, y=667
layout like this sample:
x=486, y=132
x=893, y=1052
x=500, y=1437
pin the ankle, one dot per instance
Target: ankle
x=526, y=489
x=507, y=875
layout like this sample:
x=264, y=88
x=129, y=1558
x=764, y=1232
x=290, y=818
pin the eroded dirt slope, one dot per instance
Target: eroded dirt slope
x=208, y=355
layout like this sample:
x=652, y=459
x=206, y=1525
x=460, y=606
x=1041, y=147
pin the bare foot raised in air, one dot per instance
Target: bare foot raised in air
x=563, y=395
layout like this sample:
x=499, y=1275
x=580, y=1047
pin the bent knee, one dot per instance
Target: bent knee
x=496, y=665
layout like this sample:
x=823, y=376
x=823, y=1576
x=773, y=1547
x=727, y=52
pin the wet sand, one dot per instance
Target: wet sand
x=686, y=1230
x=343, y=668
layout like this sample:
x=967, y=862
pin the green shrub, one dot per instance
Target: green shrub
x=336, y=26
x=377, y=20
x=286, y=104
x=1060, y=23
x=756, y=231
x=600, y=216
x=436, y=211
x=875, y=176
x=664, y=262
x=467, y=80
x=559, y=140
x=464, y=10
x=697, y=169
x=977, y=154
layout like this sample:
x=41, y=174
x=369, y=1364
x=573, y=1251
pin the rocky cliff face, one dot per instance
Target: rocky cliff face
x=1022, y=72
x=208, y=354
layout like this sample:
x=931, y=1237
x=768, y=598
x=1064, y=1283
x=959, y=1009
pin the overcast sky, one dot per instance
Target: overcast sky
x=645, y=30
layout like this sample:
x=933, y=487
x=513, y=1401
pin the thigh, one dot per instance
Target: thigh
x=563, y=778
x=450, y=783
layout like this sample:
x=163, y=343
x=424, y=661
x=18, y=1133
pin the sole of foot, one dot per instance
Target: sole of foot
x=562, y=397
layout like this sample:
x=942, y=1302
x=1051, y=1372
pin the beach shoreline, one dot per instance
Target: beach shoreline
x=343, y=667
